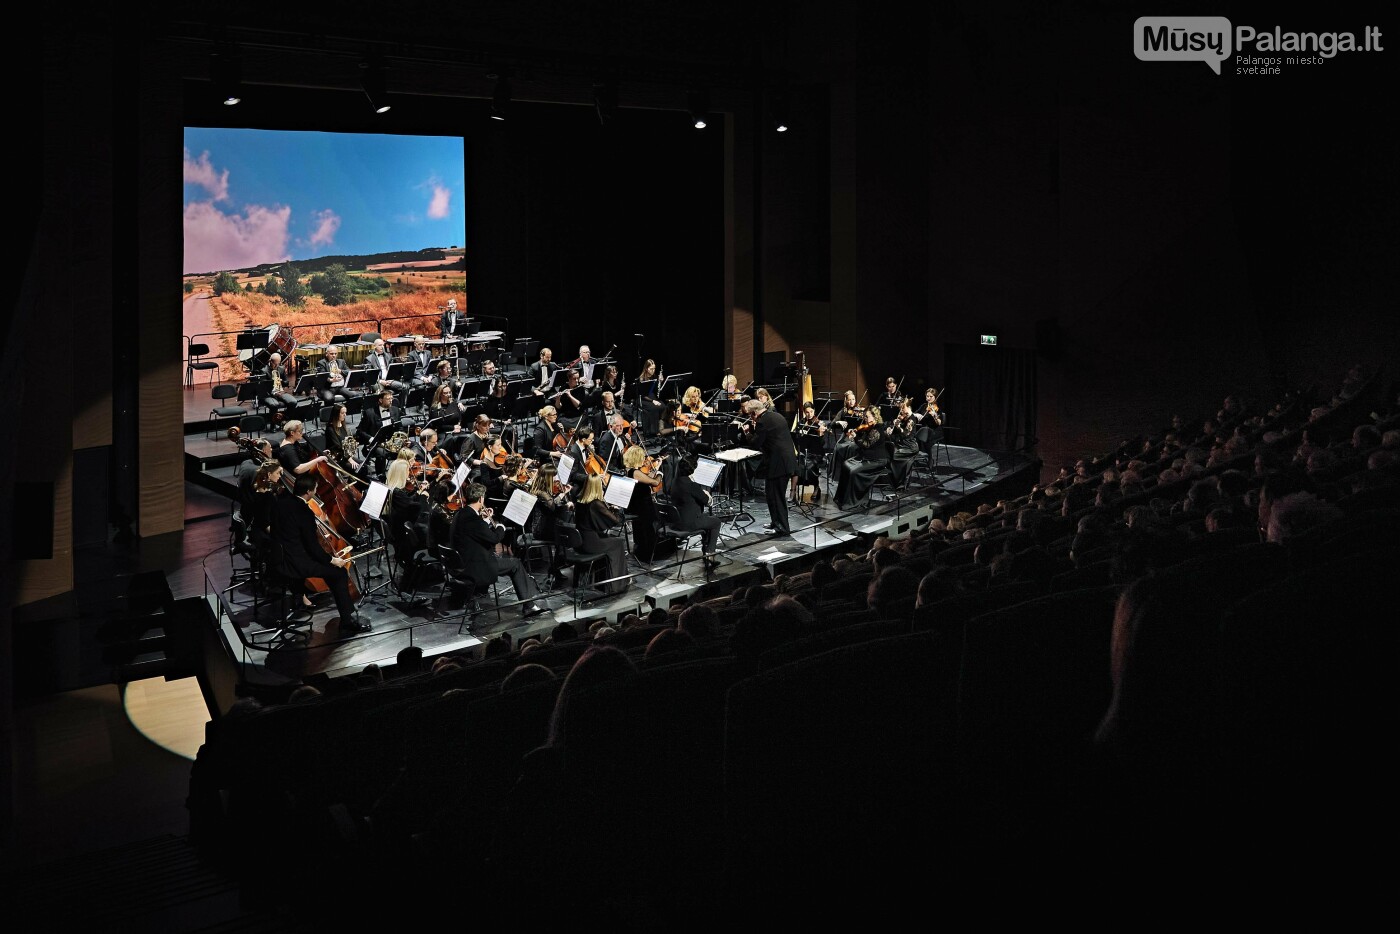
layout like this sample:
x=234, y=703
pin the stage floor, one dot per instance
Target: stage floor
x=748, y=557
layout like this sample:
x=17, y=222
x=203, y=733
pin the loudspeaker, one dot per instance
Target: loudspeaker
x=1047, y=338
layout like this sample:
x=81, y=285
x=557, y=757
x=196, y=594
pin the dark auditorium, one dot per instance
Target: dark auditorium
x=680, y=466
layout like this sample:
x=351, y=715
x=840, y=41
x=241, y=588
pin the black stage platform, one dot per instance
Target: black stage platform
x=963, y=478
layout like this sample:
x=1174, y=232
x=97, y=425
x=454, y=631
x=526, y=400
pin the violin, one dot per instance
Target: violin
x=689, y=421
x=652, y=468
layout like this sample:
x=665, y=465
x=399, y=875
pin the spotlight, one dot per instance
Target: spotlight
x=372, y=81
x=605, y=99
x=698, y=103
x=500, y=98
x=225, y=71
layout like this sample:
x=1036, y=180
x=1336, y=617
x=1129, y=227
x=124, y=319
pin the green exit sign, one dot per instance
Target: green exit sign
x=989, y=340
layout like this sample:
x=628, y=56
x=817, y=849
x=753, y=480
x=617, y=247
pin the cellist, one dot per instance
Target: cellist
x=295, y=453
x=298, y=554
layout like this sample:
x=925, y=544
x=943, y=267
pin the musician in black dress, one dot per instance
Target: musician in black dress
x=872, y=458
x=298, y=554
x=295, y=453
x=600, y=527
x=546, y=447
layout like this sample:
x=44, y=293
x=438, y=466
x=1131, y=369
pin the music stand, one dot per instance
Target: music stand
x=345, y=339
x=673, y=378
x=402, y=372
x=734, y=456
x=359, y=381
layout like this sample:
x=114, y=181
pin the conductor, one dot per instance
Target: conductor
x=773, y=438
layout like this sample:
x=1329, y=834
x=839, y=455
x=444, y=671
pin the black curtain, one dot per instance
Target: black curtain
x=990, y=397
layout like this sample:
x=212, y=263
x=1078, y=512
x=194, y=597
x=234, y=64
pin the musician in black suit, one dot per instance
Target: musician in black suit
x=542, y=369
x=579, y=450
x=338, y=370
x=379, y=361
x=691, y=500
x=450, y=317
x=297, y=554
x=422, y=359
x=607, y=408
x=611, y=444
x=773, y=439
x=376, y=416
x=475, y=534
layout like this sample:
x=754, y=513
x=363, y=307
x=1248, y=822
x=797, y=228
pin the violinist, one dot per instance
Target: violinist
x=600, y=527
x=477, y=449
x=690, y=417
x=298, y=554
x=475, y=535
x=550, y=438
x=552, y=505
x=763, y=395
x=691, y=501
x=729, y=393
x=889, y=400
x=408, y=497
x=871, y=458
x=904, y=431
x=931, y=417
x=581, y=450
x=295, y=453
x=646, y=471
x=846, y=419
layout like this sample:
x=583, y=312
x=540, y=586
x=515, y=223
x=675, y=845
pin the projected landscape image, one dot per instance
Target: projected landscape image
x=319, y=234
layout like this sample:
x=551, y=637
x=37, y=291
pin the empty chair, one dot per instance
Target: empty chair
x=196, y=361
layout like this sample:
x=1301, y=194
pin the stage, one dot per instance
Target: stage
x=962, y=478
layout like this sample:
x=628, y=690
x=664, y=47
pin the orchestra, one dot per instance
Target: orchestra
x=520, y=420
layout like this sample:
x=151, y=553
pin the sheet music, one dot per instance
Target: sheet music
x=518, y=509
x=566, y=468
x=619, y=492
x=459, y=476
x=734, y=455
x=706, y=471
x=374, y=499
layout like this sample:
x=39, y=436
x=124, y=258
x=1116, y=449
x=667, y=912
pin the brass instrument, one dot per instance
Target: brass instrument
x=276, y=381
x=396, y=441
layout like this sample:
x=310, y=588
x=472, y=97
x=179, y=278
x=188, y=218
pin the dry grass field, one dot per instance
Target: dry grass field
x=415, y=302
